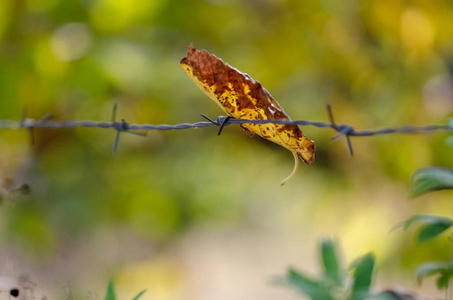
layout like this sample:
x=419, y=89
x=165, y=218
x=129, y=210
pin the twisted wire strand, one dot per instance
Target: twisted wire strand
x=125, y=126
x=122, y=126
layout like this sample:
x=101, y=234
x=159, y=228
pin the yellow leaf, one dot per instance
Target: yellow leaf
x=241, y=97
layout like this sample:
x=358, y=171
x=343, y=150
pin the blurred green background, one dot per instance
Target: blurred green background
x=190, y=215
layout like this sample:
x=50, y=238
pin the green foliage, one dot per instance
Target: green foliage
x=424, y=181
x=314, y=289
x=336, y=283
x=70, y=59
x=110, y=294
x=443, y=268
x=362, y=277
x=330, y=261
x=431, y=226
x=430, y=231
x=139, y=295
x=430, y=179
x=333, y=285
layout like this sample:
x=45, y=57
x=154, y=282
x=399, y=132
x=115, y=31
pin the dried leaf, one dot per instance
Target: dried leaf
x=242, y=97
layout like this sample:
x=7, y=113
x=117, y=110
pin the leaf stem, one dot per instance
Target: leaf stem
x=296, y=165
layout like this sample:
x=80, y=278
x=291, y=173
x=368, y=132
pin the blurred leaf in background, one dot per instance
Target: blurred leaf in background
x=336, y=284
x=190, y=197
x=431, y=179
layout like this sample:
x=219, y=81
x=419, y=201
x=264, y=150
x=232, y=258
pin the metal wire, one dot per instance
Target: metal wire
x=122, y=126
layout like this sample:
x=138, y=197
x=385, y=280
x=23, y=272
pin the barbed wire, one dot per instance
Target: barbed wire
x=140, y=129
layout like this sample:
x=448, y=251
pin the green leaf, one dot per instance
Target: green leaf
x=391, y=295
x=430, y=268
x=443, y=281
x=307, y=286
x=443, y=268
x=139, y=295
x=428, y=219
x=110, y=291
x=330, y=261
x=430, y=179
x=430, y=231
x=362, y=277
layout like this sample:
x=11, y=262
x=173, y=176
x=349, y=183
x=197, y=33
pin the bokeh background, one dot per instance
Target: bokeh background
x=190, y=215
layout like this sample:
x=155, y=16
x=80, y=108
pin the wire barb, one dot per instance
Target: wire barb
x=119, y=127
x=343, y=130
x=221, y=121
x=222, y=124
x=30, y=129
x=122, y=126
